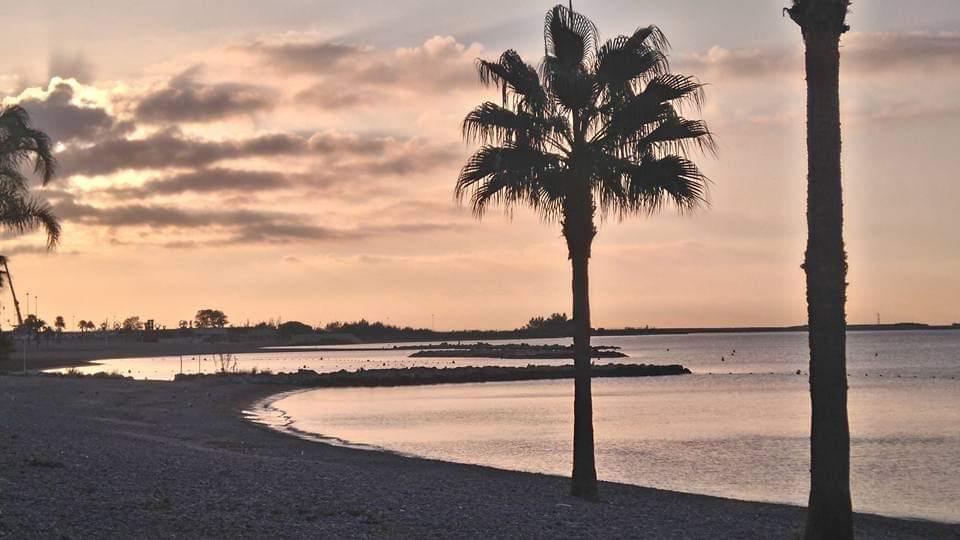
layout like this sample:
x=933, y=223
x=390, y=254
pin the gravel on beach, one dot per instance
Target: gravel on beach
x=94, y=458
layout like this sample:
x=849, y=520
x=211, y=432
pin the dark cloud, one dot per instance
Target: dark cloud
x=309, y=57
x=240, y=225
x=335, y=144
x=65, y=121
x=214, y=180
x=417, y=160
x=160, y=217
x=330, y=95
x=354, y=154
x=226, y=226
x=170, y=149
x=184, y=99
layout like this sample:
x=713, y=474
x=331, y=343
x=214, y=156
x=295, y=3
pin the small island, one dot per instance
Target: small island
x=518, y=351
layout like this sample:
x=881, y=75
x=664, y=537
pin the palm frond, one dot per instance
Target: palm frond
x=624, y=59
x=19, y=143
x=610, y=188
x=492, y=123
x=633, y=118
x=654, y=182
x=11, y=179
x=22, y=214
x=569, y=37
x=675, y=135
x=506, y=176
x=679, y=89
x=518, y=81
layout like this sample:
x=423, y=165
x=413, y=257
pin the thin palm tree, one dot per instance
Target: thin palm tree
x=829, y=513
x=20, y=144
x=597, y=131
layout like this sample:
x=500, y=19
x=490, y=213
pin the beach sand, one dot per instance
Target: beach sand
x=74, y=352
x=119, y=458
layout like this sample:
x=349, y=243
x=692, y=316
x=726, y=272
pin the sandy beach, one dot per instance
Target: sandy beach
x=119, y=458
x=75, y=352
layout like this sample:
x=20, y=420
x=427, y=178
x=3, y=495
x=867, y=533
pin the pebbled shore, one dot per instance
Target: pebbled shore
x=117, y=458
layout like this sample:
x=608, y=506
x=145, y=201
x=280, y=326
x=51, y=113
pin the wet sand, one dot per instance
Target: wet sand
x=76, y=353
x=119, y=458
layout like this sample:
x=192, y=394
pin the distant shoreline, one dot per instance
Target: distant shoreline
x=92, y=349
x=893, y=327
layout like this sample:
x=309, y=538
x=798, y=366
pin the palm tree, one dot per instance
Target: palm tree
x=829, y=514
x=20, y=143
x=597, y=131
x=59, y=324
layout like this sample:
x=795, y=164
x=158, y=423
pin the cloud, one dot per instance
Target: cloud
x=898, y=52
x=184, y=99
x=168, y=149
x=213, y=180
x=333, y=95
x=303, y=56
x=244, y=225
x=70, y=66
x=441, y=63
x=353, y=76
x=25, y=249
x=718, y=63
x=862, y=54
x=219, y=227
x=60, y=113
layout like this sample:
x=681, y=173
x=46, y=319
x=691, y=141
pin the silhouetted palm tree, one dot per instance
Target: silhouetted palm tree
x=822, y=22
x=20, y=143
x=596, y=131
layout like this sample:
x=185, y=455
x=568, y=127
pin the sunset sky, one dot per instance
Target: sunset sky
x=296, y=159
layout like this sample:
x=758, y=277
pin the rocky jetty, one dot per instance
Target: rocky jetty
x=518, y=351
x=431, y=375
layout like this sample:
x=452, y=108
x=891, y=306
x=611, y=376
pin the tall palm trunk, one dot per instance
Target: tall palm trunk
x=580, y=232
x=829, y=514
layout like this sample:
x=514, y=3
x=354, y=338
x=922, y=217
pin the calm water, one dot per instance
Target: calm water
x=167, y=367
x=737, y=427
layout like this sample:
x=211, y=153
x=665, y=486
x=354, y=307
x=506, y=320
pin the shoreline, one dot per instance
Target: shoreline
x=181, y=459
x=266, y=404
x=59, y=357
x=89, y=351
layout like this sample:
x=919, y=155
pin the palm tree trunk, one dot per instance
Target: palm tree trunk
x=829, y=514
x=584, y=481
